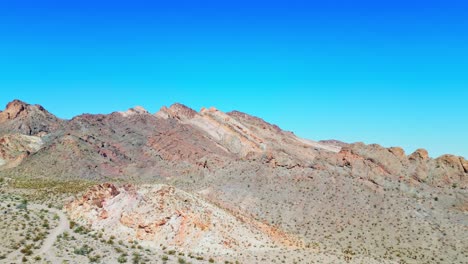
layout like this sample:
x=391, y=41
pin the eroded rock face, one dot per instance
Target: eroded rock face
x=161, y=213
x=447, y=170
x=464, y=164
x=450, y=161
x=397, y=151
x=386, y=159
x=13, y=110
x=98, y=195
x=419, y=155
x=376, y=160
x=15, y=148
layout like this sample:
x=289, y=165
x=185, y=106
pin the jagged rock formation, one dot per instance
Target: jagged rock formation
x=446, y=170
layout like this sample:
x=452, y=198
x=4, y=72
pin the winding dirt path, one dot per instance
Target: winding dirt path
x=45, y=250
x=52, y=237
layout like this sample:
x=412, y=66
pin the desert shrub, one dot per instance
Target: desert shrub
x=122, y=259
x=27, y=250
x=23, y=205
x=136, y=258
x=94, y=259
x=84, y=250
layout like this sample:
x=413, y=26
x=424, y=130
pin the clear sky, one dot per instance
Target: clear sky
x=387, y=72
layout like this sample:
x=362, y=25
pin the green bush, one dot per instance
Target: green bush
x=94, y=259
x=122, y=259
x=84, y=250
x=136, y=258
x=23, y=205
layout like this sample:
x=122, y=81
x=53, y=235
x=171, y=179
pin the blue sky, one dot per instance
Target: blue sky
x=392, y=73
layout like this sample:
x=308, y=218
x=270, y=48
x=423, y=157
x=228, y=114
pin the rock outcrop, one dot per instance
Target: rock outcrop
x=156, y=214
x=137, y=110
x=447, y=170
x=419, y=155
x=13, y=110
x=178, y=111
x=15, y=148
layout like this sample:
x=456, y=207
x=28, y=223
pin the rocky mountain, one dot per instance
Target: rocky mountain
x=32, y=120
x=232, y=182
x=138, y=144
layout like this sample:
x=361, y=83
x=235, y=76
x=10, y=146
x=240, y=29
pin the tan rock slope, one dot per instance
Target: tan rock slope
x=161, y=214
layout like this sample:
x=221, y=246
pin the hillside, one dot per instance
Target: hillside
x=233, y=187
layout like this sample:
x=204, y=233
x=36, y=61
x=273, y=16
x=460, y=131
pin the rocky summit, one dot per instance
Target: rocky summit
x=180, y=185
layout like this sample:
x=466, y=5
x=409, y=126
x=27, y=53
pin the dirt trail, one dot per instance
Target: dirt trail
x=52, y=237
x=44, y=251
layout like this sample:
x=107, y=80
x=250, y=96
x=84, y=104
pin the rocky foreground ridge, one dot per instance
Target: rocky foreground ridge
x=156, y=214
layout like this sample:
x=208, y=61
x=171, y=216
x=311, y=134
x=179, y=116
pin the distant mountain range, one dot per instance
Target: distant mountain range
x=139, y=144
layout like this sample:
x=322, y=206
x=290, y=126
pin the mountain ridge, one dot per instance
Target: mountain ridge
x=179, y=133
x=235, y=184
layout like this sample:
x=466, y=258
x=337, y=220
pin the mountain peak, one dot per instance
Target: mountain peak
x=178, y=111
x=13, y=110
x=137, y=110
x=27, y=119
x=419, y=154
